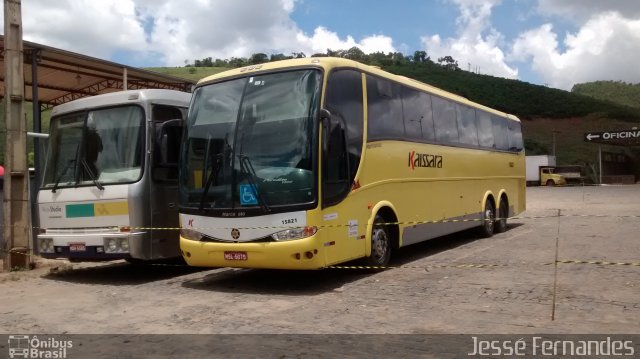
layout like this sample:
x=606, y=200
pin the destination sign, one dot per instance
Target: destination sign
x=622, y=138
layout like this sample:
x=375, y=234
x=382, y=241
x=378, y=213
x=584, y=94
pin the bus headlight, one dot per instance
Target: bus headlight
x=111, y=246
x=46, y=245
x=294, y=233
x=190, y=234
x=116, y=245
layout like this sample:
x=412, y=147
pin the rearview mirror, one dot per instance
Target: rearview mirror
x=168, y=139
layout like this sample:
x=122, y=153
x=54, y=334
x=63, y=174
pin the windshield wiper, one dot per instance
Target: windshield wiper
x=247, y=167
x=64, y=171
x=215, y=169
x=91, y=175
x=218, y=162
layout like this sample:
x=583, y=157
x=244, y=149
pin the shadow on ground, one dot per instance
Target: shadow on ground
x=292, y=282
x=120, y=273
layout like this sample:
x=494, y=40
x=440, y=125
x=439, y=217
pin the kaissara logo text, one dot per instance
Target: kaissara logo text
x=424, y=160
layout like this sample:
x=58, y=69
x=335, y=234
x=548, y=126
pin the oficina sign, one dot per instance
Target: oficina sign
x=623, y=137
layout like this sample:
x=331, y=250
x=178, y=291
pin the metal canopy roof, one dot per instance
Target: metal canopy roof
x=64, y=76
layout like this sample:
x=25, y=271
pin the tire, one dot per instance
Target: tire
x=380, y=244
x=503, y=213
x=488, y=220
x=550, y=183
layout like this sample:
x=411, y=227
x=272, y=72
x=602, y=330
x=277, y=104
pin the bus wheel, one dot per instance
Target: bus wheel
x=488, y=219
x=550, y=183
x=501, y=222
x=380, y=244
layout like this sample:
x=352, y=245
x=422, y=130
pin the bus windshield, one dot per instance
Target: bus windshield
x=249, y=142
x=97, y=147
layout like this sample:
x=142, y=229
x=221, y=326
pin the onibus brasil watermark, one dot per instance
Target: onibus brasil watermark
x=30, y=346
x=553, y=347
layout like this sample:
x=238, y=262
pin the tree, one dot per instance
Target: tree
x=237, y=62
x=355, y=53
x=398, y=58
x=258, y=58
x=420, y=56
x=448, y=63
x=279, y=57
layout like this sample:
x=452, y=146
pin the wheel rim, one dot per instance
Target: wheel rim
x=379, y=244
x=489, y=219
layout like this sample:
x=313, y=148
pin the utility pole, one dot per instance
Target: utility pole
x=16, y=175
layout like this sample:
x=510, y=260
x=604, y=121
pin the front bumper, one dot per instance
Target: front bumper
x=305, y=253
x=95, y=246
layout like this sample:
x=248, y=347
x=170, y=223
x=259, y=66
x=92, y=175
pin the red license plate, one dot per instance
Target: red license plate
x=235, y=256
x=77, y=247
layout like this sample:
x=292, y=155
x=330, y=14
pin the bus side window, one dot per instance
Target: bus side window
x=384, y=110
x=485, y=130
x=467, y=129
x=418, y=117
x=515, y=136
x=444, y=118
x=500, y=134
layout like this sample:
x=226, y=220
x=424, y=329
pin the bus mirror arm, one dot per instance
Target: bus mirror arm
x=325, y=120
x=325, y=116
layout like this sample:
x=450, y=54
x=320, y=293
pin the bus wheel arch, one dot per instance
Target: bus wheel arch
x=381, y=239
x=502, y=213
x=488, y=216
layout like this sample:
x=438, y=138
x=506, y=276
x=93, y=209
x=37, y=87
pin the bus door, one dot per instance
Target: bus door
x=341, y=153
x=167, y=128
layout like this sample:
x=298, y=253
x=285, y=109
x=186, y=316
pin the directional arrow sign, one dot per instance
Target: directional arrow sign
x=624, y=137
x=591, y=136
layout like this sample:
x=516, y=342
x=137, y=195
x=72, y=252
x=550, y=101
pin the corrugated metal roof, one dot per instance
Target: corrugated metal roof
x=64, y=76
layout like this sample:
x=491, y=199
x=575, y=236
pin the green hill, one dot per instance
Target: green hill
x=613, y=91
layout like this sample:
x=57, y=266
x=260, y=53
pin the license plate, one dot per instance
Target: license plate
x=235, y=256
x=77, y=247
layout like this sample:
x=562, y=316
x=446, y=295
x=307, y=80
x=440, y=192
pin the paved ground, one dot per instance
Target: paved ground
x=434, y=293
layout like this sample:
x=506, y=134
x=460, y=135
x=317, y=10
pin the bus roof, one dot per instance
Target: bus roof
x=168, y=97
x=327, y=63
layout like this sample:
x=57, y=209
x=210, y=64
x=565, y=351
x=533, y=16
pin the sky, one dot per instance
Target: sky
x=555, y=43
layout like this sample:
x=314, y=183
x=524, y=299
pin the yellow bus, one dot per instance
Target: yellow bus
x=307, y=163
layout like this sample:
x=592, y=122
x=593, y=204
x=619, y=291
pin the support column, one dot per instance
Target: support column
x=600, y=162
x=16, y=196
x=125, y=85
x=37, y=143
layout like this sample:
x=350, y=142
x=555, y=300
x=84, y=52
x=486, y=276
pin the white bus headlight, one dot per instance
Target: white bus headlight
x=46, y=245
x=294, y=233
x=116, y=245
x=111, y=245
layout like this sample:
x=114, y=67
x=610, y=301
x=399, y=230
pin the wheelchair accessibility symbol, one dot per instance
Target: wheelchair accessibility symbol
x=248, y=194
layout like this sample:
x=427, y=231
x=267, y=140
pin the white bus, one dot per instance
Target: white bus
x=110, y=177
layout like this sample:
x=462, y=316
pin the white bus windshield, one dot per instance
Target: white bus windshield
x=97, y=147
x=250, y=142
